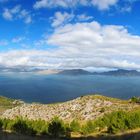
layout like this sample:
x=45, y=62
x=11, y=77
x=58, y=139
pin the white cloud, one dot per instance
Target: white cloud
x=3, y=42
x=53, y=3
x=96, y=45
x=28, y=19
x=15, y=10
x=104, y=4
x=17, y=39
x=84, y=17
x=7, y=14
x=24, y=14
x=17, y=13
x=101, y=4
x=61, y=18
x=82, y=45
x=126, y=9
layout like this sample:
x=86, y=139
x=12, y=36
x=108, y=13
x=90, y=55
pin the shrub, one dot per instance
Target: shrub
x=56, y=128
x=133, y=120
x=75, y=126
x=121, y=121
x=135, y=99
x=117, y=122
x=1, y=124
x=88, y=128
x=40, y=126
x=7, y=124
x=23, y=127
x=114, y=122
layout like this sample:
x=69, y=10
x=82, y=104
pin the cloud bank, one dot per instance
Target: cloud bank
x=82, y=45
x=100, y=4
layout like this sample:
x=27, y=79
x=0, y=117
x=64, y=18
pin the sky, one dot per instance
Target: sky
x=96, y=35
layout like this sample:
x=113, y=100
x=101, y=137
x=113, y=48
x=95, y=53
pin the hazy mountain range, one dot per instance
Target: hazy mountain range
x=42, y=70
x=119, y=72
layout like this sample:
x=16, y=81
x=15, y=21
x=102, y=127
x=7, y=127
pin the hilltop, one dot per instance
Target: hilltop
x=86, y=116
x=83, y=108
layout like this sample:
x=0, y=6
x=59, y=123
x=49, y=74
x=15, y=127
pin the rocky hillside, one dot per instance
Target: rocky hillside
x=83, y=108
x=7, y=103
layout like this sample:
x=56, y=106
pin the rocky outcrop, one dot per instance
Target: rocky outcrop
x=82, y=108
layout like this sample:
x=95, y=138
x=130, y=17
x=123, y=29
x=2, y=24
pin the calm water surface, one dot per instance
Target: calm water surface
x=58, y=88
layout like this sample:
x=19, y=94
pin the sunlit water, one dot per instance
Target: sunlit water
x=57, y=88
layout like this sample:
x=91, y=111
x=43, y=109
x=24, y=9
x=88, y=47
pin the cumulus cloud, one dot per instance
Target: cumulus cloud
x=17, y=13
x=100, y=4
x=82, y=45
x=61, y=18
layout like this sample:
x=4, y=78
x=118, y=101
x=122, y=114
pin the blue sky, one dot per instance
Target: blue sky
x=91, y=34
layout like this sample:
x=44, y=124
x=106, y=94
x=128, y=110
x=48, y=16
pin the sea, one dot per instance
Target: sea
x=32, y=87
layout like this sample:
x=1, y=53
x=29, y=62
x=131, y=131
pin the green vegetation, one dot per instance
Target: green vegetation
x=135, y=99
x=75, y=126
x=27, y=127
x=115, y=122
x=88, y=128
x=119, y=121
x=7, y=103
x=56, y=128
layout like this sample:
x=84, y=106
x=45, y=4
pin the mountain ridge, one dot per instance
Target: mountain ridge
x=119, y=72
x=42, y=70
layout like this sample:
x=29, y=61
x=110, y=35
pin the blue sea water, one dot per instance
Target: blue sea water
x=58, y=88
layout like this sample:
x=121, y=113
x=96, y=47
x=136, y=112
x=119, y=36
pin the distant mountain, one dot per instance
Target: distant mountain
x=19, y=69
x=48, y=72
x=74, y=72
x=121, y=72
x=43, y=70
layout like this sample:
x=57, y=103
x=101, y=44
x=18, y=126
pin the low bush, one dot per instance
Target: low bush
x=56, y=128
x=135, y=99
x=40, y=126
x=88, y=128
x=23, y=127
x=75, y=126
x=114, y=122
x=120, y=121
